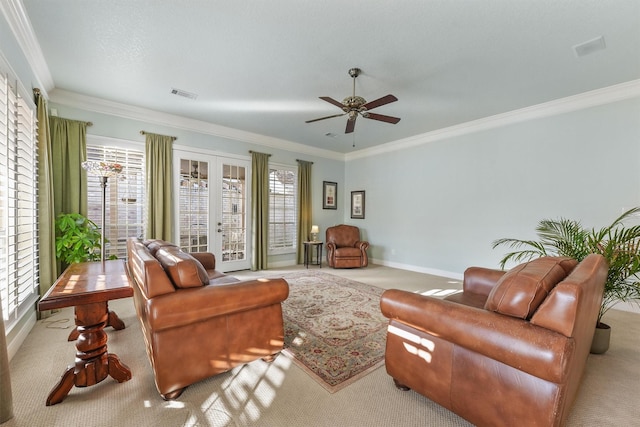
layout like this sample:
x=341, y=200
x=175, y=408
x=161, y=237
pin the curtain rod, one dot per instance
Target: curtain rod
x=257, y=152
x=307, y=161
x=142, y=132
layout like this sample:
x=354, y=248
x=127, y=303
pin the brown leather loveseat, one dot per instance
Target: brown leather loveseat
x=344, y=247
x=196, y=321
x=510, y=350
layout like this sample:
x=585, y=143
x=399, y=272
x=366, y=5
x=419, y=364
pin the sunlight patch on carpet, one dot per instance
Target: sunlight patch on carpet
x=334, y=329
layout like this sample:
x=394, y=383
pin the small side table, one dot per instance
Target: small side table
x=308, y=253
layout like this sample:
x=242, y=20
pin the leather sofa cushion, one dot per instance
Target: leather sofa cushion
x=182, y=268
x=522, y=289
x=154, y=244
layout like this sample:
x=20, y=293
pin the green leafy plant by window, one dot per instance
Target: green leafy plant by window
x=77, y=238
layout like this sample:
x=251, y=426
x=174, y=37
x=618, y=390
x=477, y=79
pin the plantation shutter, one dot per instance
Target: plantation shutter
x=18, y=204
x=124, y=207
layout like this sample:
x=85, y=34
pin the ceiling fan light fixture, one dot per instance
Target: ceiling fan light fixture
x=354, y=105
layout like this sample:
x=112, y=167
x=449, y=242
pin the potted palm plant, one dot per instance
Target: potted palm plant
x=620, y=245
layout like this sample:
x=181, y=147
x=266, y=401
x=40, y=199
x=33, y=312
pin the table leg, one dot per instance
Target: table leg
x=93, y=364
x=113, y=321
x=306, y=256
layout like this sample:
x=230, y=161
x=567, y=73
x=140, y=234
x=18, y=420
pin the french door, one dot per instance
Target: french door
x=213, y=207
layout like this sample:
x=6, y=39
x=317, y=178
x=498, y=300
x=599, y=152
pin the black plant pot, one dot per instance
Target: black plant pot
x=601, y=339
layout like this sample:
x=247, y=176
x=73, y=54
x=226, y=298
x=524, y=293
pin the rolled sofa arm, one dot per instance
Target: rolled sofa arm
x=480, y=280
x=362, y=245
x=191, y=305
x=512, y=341
x=207, y=259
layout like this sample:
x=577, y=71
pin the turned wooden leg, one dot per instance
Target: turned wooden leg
x=270, y=358
x=93, y=364
x=63, y=387
x=400, y=386
x=113, y=320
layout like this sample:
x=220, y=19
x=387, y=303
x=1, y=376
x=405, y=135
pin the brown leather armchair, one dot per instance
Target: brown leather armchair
x=344, y=247
x=509, y=350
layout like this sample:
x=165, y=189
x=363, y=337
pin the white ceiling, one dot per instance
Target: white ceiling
x=260, y=66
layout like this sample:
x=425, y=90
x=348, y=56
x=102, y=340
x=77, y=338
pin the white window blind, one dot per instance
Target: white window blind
x=282, y=209
x=19, y=267
x=124, y=207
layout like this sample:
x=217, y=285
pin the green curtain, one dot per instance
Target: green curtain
x=68, y=151
x=259, y=210
x=46, y=208
x=159, y=165
x=304, y=206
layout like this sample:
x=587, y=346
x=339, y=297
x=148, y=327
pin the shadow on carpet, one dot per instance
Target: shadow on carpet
x=333, y=327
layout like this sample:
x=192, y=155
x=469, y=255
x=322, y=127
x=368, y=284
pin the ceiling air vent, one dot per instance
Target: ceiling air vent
x=184, y=93
x=590, y=46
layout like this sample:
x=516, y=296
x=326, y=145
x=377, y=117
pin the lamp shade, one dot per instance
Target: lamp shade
x=314, y=229
x=102, y=168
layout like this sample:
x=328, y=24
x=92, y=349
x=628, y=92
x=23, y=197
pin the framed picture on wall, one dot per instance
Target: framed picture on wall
x=357, y=204
x=329, y=195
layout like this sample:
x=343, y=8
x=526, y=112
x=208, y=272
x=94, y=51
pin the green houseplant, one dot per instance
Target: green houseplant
x=77, y=238
x=620, y=245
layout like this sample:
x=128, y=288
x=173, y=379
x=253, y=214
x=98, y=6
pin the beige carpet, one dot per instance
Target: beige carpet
x=281, y=394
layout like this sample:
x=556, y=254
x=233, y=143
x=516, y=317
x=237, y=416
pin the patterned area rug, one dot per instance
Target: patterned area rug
x=333, y=327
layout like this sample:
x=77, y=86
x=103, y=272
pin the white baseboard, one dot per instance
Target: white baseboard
x=432, y=271
x=14, y=344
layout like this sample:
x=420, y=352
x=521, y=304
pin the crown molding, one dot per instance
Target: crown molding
x=607, y=95
x=84, y=102
x=18, y=20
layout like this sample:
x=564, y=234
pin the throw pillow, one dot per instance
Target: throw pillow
x=522, y=289
x=183, y=269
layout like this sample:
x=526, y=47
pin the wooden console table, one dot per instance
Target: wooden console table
x=88, y=286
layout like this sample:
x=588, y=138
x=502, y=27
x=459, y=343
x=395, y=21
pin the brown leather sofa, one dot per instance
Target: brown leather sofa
x=344, y=247
x=196, y=321
x=510, y=350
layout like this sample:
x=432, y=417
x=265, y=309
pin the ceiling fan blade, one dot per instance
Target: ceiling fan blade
x=380, y=101
x=332, y=101
x=328, y=117
x=351, y=125
x=383, y=118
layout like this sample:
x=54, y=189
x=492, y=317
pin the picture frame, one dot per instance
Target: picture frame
x=329, y=195
x=357, y=204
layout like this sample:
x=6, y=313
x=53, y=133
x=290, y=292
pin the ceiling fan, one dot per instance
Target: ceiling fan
x=354, y=105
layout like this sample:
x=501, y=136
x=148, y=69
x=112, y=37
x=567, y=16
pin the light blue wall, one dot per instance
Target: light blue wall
x=441, y=205
x=127, y=129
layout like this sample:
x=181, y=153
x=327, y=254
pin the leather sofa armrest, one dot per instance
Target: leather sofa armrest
x=187, y=306
x=331, y=246
x=479, y=280
x=207, y=259
x=512, y=341
x=362, y=245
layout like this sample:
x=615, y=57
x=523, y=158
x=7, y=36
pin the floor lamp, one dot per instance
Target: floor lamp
x=103, y=170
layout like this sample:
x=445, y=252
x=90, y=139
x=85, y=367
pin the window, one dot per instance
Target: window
x=282, y=209
x=19, y=265
x=124, y=199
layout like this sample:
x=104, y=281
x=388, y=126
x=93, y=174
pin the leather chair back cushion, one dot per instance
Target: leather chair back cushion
x=182, y=268
x=154, y=244
x=522, y=289
x=343, y=235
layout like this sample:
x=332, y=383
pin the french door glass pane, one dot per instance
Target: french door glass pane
x=233, y=213
x=194, y=205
